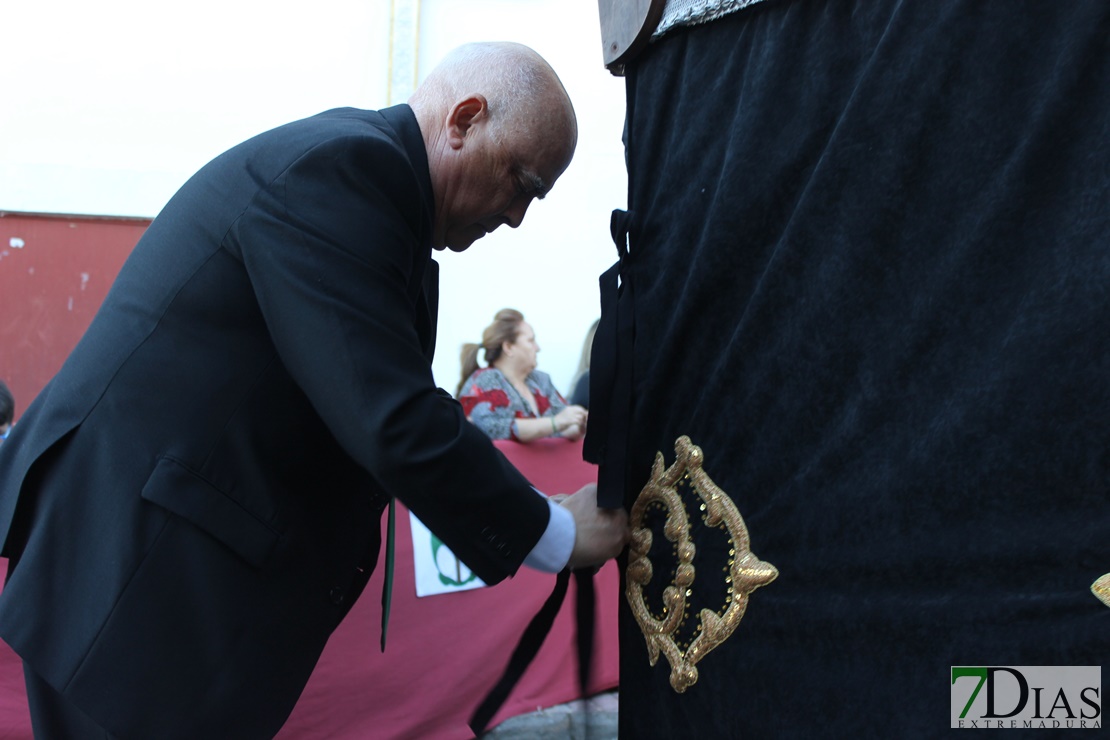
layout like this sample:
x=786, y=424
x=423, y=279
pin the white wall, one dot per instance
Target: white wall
x=107, y=107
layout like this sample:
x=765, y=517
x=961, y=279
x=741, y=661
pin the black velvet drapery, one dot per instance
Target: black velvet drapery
x=870, y=248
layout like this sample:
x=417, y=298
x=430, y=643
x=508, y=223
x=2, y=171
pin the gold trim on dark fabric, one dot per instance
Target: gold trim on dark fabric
x=1101, y=589
x=745, y=572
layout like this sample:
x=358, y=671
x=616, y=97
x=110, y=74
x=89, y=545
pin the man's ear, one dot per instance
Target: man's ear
x=471, y=110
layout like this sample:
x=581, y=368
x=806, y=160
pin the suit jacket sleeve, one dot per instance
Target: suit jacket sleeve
x=335, y=248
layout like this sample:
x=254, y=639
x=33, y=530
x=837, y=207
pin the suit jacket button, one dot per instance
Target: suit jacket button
x=337, y=596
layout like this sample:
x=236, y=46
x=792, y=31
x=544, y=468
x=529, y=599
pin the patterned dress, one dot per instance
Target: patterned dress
x=492, y=403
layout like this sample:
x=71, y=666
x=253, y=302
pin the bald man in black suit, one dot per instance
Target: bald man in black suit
x=192, y=504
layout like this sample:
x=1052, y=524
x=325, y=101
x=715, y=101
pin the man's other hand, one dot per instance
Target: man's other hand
x=600, y=534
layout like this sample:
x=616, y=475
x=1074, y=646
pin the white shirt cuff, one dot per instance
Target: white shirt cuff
x=552, y=553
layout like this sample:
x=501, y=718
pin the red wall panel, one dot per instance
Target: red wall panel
x=54, y=274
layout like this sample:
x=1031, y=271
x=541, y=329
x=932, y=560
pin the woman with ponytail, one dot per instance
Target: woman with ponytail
x=510, y=398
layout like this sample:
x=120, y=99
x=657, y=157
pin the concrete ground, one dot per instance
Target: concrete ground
x=591, y=719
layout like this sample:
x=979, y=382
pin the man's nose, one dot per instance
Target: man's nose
x=514, y=214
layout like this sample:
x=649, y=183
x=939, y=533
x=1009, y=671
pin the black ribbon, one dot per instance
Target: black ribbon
x=535, y=634
x=606, y=442
x=585, y=609
x=522, y=656
x=606, y=445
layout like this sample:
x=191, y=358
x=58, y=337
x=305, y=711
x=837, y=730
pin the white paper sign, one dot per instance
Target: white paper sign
x=437, y=569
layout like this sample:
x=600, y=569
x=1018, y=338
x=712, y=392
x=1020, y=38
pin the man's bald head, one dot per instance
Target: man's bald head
x=499, y=128
x=521, y=88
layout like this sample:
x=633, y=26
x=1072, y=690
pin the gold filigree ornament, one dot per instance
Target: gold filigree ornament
x=1101, y=589
x=745, y=571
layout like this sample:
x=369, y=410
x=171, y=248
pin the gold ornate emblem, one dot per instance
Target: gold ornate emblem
x=744, y=574
x=1101, y=589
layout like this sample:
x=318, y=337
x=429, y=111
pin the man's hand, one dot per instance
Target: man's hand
x=600, y=534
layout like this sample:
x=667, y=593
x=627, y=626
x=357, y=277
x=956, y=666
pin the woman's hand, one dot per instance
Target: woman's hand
x=573, y=433
x=571, y=422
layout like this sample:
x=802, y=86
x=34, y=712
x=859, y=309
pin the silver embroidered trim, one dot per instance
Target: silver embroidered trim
x=693, y=12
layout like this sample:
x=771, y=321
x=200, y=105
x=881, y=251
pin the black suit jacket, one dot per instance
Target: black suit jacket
x=194, y=500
